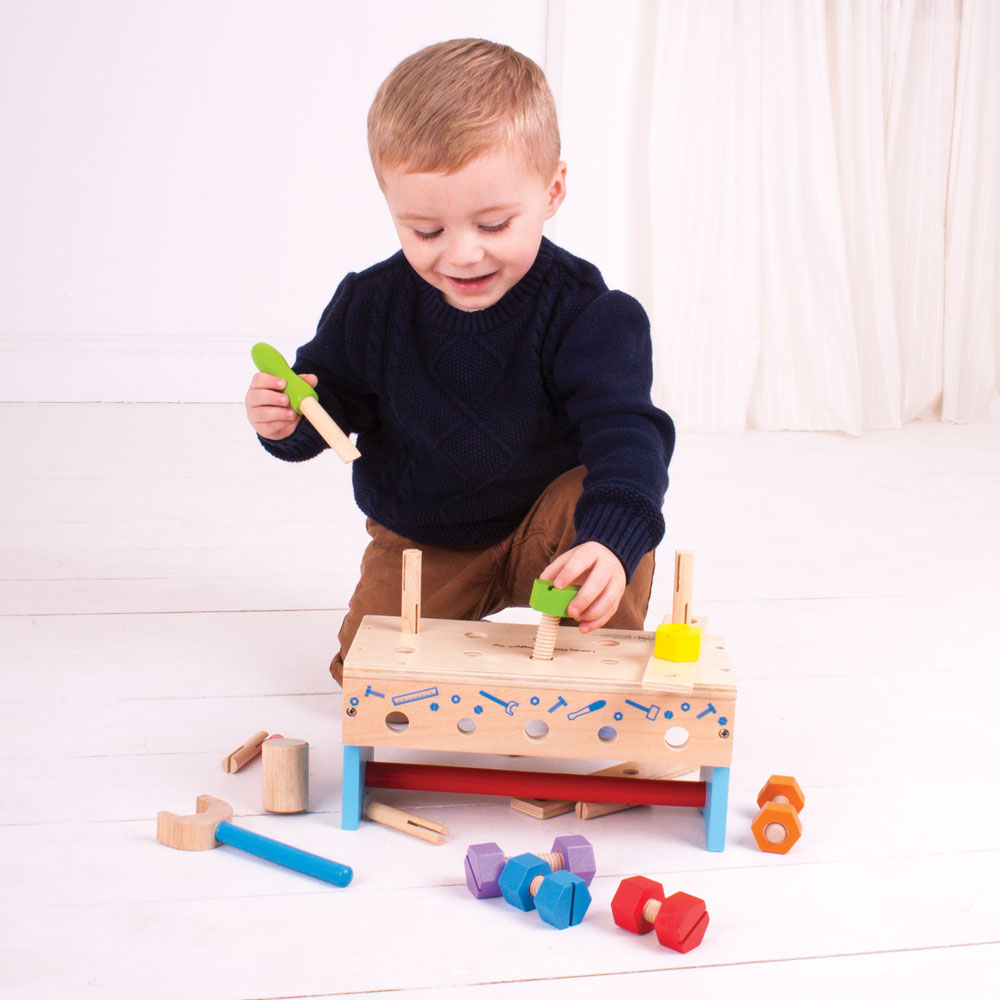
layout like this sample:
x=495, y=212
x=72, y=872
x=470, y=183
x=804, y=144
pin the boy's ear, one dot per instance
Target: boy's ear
x=557, y=190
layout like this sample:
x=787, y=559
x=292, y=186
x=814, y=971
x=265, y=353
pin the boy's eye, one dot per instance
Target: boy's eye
x=498, y=228
x=426, y=236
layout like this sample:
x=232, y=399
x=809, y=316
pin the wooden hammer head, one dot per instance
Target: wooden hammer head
x=197, y=832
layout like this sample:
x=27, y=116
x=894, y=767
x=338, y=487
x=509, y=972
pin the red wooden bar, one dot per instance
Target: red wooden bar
x=534, y=785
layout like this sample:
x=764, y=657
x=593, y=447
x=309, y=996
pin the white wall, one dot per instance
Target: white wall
x=181, y=179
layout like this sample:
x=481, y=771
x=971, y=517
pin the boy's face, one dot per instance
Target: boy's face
x=473, y=234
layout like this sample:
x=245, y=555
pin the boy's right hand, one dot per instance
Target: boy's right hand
x=267, y=406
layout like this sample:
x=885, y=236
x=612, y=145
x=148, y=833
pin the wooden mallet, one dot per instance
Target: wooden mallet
x=209, y=827
x=303, y=399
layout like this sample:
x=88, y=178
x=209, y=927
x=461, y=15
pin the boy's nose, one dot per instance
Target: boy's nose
x=464, y=249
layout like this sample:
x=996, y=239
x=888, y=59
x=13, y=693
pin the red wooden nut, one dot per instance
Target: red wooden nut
x=680, y=920
x=629, y=903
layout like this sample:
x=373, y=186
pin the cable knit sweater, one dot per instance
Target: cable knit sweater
x=464, y=418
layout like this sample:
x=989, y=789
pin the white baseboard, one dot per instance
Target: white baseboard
x=70, y=368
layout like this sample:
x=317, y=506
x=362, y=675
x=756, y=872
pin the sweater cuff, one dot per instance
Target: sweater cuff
x=630, y=530
x=302, y=444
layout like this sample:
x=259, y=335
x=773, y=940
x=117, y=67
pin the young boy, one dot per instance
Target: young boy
x=499, y=392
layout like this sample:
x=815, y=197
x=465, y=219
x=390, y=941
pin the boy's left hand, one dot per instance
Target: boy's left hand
x=603, y=582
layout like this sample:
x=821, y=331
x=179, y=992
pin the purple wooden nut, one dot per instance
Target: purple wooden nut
x=578, y=855
x=483, y=864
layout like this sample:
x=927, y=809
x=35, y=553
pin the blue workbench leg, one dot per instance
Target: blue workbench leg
x=353, y=786
x=716, y=802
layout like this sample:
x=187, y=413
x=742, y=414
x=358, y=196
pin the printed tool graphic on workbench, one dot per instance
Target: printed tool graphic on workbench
x=661, y=699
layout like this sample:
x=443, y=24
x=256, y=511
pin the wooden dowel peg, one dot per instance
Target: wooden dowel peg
x=415, y=826
x=286, y=775
x=410, y=617
x=245, y=753
x=683, y=581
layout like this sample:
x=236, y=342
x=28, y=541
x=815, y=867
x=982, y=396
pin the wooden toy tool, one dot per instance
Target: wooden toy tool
x=244, y=753
x=303, y=399
x=209, y=827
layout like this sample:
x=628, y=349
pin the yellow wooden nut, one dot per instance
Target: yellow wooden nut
x=677, y=642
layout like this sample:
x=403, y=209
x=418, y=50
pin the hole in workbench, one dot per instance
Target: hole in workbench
x=475, y=635
x=536, y=729
x=676, y=737
x=397, y=722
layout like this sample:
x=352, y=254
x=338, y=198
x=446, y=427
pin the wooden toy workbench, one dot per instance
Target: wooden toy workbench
x=474, y=687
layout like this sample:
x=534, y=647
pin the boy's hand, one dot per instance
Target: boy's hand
x=603, y=582
x=268, y=409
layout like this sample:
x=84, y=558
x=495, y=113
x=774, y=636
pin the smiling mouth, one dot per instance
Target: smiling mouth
x=472, y=284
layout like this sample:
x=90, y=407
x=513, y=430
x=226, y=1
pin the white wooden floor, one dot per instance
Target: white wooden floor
x=167, y=589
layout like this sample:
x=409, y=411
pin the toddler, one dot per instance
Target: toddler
x=499, y=391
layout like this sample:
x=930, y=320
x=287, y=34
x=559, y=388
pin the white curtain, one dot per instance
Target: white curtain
x=822, y=196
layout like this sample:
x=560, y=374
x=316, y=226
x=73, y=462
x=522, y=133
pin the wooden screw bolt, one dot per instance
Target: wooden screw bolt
x=484, y=863
x=680, y=920
x=528, y=883
x=553, y=605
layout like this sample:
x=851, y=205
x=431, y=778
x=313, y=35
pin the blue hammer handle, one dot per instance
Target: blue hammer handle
x=283, y=854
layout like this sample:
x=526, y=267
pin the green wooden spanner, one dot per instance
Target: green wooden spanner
x=303, y=399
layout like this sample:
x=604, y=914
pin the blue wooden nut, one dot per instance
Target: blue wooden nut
x=562, y=899
x=516, y=878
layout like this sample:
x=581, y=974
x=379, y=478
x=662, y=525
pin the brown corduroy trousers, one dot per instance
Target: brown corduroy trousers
x=468, y=583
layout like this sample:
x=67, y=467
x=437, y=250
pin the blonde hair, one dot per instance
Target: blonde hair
x=449, y=103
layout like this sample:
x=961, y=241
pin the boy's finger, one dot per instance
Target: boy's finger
x=600, y=611
x=278, y=415
x=266, y=397
x=586, y=602
x=261, y=380
x=577, y=563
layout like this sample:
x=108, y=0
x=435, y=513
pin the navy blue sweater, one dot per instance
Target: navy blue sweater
x=464, y=418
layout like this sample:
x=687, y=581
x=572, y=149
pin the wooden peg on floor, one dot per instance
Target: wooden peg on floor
x=415, y=826
x=286, y=775
x=245, y=753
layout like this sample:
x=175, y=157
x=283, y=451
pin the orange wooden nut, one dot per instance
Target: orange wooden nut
x=776, y=827
x=782, y=788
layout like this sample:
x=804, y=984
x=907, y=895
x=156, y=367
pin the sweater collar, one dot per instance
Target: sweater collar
x=437, y=312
